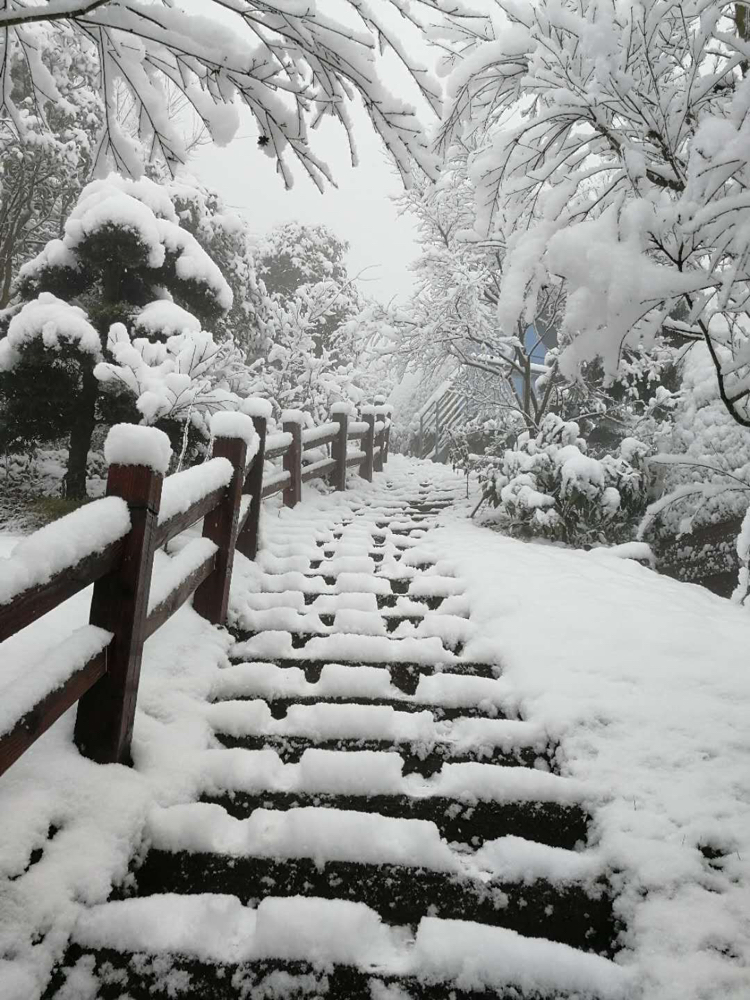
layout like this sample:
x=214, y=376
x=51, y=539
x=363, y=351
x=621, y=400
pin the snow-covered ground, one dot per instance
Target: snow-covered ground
x=645, y=683
x=642, y=681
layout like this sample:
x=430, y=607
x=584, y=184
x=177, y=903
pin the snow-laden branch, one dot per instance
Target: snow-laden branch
x=291, y=65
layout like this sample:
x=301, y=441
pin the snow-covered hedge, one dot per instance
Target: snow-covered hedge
x=549, y=487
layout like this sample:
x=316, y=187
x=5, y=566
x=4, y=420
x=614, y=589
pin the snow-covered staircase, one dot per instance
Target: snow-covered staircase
x=376, y=822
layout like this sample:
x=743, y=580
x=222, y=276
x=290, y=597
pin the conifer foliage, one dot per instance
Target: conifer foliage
x=111, y=327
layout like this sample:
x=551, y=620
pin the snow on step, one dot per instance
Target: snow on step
x=277, y=582
x=346, y=564
x=283, y=619
x=343, y=646
x=337, y=680
x=318, y=772
x=336, y=772
x=361, y=583
x=376, y=649
x=435, y=586
x=358, y=622
x=328, y=604
x=324, y=721
x=330, y=721
x=282, y=599
x=309, y=832
x=270, y=563
x=448, y=628
x=456, y=604
x=219, y=929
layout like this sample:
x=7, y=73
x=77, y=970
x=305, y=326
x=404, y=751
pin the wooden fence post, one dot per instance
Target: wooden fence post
x=220, y=525
x=247, y=540
x=368, y=445
x=337, y=478
x=380, y=440
x=292, y=424
x=387, y=434
x=104, y=722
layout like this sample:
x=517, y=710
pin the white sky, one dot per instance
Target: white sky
x=359, y=210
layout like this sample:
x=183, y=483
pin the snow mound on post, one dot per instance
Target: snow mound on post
x=230, y=424
x=343, y=407
x=254, y=406
x=293, y=417
x=55, y=322
x=132, y=444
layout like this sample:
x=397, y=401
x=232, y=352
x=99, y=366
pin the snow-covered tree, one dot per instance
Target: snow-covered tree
x=306, y=264
x=613, y=156
x=291, y=64
x=117, y=303
x=46, y=159
x=451, y=324
x=295, y=372
x=704, y=457
x=226, y=238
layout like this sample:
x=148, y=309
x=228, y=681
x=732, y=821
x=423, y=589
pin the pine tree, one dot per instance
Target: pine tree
x=68, y=362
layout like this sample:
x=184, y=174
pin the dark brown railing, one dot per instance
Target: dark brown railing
x=106, y=686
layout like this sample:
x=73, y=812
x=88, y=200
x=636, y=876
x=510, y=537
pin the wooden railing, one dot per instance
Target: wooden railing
x=443, y=412
x=127, y=606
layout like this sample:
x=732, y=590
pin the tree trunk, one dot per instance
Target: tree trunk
x=81, y=433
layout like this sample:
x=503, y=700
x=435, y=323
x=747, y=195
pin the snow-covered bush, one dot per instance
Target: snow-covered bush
x=704, y=462
x=187, y=377
x=549, y=487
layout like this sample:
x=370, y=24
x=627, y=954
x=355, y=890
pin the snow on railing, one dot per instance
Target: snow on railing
x=112, y=544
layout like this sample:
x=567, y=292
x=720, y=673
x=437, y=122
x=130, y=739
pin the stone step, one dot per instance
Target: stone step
x=150, y=978
x=404, y=676
x=471, y=823
x=416, y=759
x=565, y=913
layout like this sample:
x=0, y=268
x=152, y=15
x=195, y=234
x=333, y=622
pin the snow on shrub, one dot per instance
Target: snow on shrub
x=187, y=377
x=549, y=487
x=54, y=323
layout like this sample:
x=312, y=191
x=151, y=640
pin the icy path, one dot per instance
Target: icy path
x=435, y=763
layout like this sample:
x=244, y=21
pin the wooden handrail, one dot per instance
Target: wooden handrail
x=31, y=604
x=37, y=721
x=106, y=686
x=177, y=597
x=318, y=470
x=178, y=523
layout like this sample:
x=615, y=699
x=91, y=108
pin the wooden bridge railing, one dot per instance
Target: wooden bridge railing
x=114, y=547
